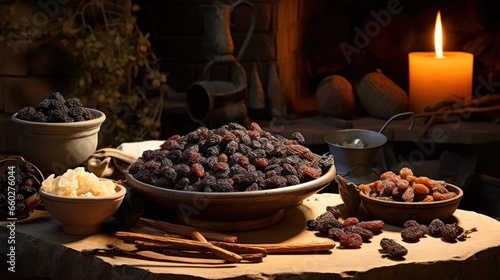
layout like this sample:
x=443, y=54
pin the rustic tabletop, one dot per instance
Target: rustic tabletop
x=42, y=249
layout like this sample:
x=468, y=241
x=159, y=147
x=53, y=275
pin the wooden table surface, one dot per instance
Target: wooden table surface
x=42, y=249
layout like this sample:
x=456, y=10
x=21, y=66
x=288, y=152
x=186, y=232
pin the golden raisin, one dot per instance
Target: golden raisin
x=420, y=189
x=405, y=172
x=389, y=175
x=428, y=198
x=364, y=188
x=443, y=196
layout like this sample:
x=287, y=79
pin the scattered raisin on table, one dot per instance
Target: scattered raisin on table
x=365, y=234
x=336, y=233
x=412, y=233
x=335, y=210
x=435, y=227
x=351, y=240
x=449, y=232
x=351, y=221
x=374, y=226
x=392, y=248
x=326, y=221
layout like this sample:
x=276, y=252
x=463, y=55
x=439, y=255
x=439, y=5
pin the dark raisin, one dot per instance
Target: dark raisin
x=26, y=113
x=275, y=182
x=161, y=182
x=449, y=233
x=181, y=184
x=326, y=221
x=394, y=249
x=20, y=206
x=288, y=169
x=364, y=233
x=374, y=225
x=73, y=102
x=326, y=162
x=174, y=155
x=336, y=233
x=412, y=233
x=411, y=223
x=435, y=227
x=351, y=240
x=351, y=221
x=231, y=147
x=136, y=166
x=57, y=96
x=298, y=137
x=169, y=173
x=253, y=187
x=335, y=211
x=143, y=175
x=213, y=139
x=311, y=224
x=292, y=180
x=243, y=180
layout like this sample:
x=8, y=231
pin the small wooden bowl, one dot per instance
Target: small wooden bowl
x=396, y=213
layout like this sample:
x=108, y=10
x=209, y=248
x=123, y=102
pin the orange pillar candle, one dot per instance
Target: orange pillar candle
x=434, y=77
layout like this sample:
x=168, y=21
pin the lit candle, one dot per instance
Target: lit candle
x=435, y=77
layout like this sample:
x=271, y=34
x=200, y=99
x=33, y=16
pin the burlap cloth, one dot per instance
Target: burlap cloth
x=113, y=162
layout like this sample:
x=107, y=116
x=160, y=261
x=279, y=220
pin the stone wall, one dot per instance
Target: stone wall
x=177, y=32
x=31, y=72
x=28, y=74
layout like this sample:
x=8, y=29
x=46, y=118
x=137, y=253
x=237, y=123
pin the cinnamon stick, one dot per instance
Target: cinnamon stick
x=196, y=235
x=240, y=248
x=192, y=244
x=186, y=230
x=294, y=248
x=156, y=246
x=221, y=252
x=206, y=255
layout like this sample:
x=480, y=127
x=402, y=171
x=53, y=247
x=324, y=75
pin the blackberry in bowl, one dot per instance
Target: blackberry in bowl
x=57, y=133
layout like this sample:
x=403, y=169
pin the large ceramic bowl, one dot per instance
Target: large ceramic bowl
x=56, y=147
x=396, y=213
x=82, y=215
x=235, y=211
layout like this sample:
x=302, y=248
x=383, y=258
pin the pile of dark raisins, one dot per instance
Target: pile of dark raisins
x=25, y=189
x=56, y=109
x=413, y=231
x=350, y=233
x=229, y=158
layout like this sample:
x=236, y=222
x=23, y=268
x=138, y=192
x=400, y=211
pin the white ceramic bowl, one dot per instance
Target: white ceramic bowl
x=56, y=147
x=82, y=215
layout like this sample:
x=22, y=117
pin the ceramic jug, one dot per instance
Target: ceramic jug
x=217, y=32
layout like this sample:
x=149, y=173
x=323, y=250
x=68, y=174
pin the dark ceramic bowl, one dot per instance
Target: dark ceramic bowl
x=396, y=213
x=231, y=211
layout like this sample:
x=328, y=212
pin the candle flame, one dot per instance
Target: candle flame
x=438, y=37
